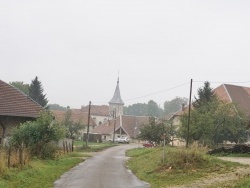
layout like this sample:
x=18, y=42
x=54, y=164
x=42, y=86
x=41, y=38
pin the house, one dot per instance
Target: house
x=238, y=95
x=125, y=125
x=15, y=108
x=99, y=113
x=76, y=117
x=119, y=124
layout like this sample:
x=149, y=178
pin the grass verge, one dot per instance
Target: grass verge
x=39, y=173
x=181, y=166
x=43, y=173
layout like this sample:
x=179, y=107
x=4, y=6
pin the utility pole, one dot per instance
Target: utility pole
x=189, y=110
x=87, y=138
x=114, y=116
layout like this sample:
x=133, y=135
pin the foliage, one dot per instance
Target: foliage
x=38, y=135
x=72, y=128
x=205, y=95
x=182, y=165
x=21, y=86
x=57, y=107
x=153, y=132
x=215, y=122
x=142, y=109
x=139, y=109
x=174, y=105
x=36, y=92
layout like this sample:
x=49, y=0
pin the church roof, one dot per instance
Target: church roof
x=117, y=96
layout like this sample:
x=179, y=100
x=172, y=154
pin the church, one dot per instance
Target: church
x=118, y=124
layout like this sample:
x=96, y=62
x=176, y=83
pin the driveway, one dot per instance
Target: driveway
x=104, y=170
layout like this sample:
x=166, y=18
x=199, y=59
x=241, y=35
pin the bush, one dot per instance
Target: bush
x=186, y=158
x=37, y=135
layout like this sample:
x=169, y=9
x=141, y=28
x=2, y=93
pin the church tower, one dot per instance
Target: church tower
x=116, y=102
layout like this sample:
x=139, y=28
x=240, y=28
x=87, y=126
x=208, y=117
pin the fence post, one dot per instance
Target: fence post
x=9, y=154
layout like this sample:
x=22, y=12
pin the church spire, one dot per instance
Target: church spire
x=117, y=96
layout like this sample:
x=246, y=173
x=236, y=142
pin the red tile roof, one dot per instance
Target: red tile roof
x=97, y=110
x=129, y=124
x=237, y=94
x=14, y=102
x=75, y=117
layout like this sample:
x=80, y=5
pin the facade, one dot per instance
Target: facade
x=15, y=108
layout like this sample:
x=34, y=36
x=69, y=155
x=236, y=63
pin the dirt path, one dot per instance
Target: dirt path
x=222, y=178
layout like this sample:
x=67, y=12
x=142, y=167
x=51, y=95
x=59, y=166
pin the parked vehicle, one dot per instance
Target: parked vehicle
x=123, y=139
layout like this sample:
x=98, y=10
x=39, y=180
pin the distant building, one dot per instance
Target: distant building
x=119, y=124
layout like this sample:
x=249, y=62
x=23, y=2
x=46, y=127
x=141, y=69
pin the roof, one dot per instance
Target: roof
x=129, y=124
x=14, y=102
x=97, y=110
x=76, y=116
x=239, y=95
x=117, y=96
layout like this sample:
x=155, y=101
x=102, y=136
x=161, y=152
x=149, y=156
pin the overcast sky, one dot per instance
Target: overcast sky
x=76, y=47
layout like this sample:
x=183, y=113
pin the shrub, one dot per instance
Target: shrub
x=37, y=135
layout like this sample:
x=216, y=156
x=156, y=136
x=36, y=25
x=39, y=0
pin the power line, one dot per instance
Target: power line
x=157, y=92
x=224, y=82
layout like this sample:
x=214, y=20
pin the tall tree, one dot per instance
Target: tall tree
x=205, y=94
x=174, y=105
x=22, y=86
x=36, y=92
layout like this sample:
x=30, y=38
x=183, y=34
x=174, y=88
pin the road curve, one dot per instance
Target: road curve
x=104, y=170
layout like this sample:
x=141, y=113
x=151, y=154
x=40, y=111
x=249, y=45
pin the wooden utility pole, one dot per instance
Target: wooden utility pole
x=87, y=137
x=114, y=116
x=189, y=110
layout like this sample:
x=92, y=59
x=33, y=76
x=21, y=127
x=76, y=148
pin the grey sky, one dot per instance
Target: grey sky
x=77, y=47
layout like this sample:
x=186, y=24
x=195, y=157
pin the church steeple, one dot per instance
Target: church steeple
x=116, y=102
x=117, y=96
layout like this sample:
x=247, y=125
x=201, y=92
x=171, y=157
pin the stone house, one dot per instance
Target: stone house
x=15, y=108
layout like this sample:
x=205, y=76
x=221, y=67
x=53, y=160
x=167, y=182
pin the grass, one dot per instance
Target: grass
x=39, y=173
x=181, y=166
x=92, y=146
x=43, y=173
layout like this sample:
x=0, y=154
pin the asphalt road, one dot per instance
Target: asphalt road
x=104, y=170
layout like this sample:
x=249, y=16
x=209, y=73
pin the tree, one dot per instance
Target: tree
x=205, y=94
x=142, y=109
x=72, y=128
x=174, y=105
x=215, y=122
x=153, y=109
x=138, y=109
x=38, y=136
x=57, y=107
x=154, y=131
x=21, y=86
x=36, y=92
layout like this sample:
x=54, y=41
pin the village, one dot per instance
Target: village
x=109, y=124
